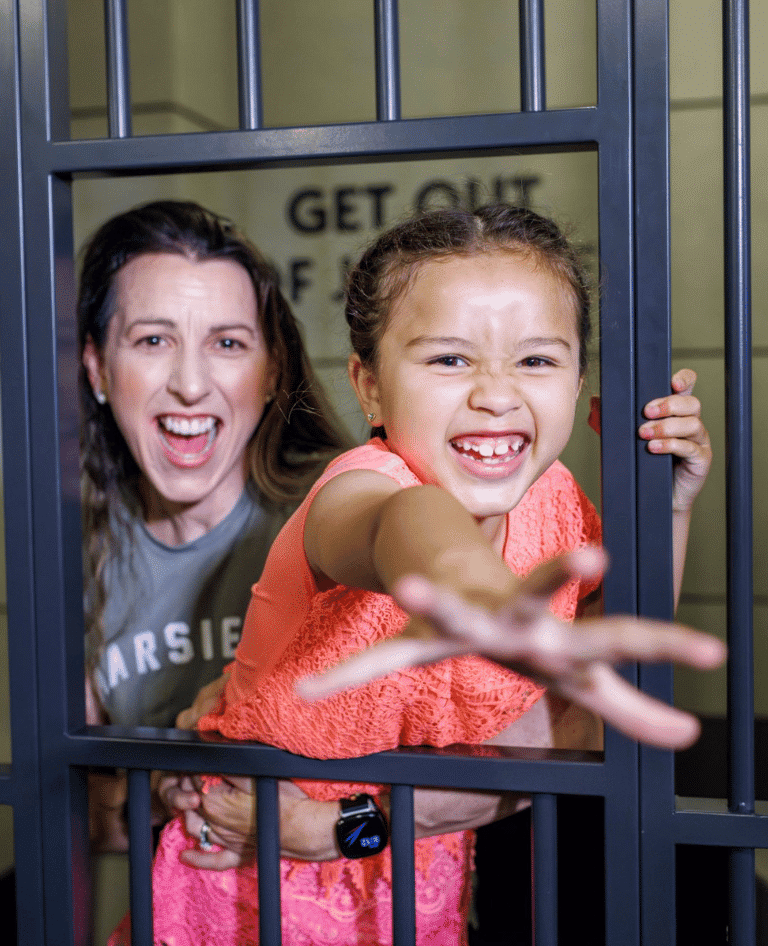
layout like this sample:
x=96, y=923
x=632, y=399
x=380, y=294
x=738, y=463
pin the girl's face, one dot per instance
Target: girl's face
x=186, y=373
x=477, y=378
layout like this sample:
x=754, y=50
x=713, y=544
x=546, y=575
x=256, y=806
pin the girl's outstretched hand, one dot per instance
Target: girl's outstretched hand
x=674, y=426
x=572, y=659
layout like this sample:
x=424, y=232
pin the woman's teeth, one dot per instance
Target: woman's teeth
x=493, y=449
x=187, y=426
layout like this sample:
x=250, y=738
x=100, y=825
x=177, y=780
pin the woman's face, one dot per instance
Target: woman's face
x=186, y=373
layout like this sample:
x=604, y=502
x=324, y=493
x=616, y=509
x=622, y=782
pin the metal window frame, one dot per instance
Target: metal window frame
x=628, y=128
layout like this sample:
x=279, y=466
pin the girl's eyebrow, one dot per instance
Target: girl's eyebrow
x=456, y=342
x=448, y=340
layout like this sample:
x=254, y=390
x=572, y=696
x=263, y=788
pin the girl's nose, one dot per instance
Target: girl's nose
x=495, y=392
x=189, y=379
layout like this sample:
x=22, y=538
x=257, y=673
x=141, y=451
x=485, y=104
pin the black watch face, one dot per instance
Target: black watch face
x=362, y=835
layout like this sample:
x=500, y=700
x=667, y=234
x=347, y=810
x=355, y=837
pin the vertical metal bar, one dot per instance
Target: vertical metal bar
x=651, y=250
x=17, y=497
x=545, y=912
x=738, y=380
x=403, y=870
x=618, y=483
x=532, y=56
x=249, y=64
x=140, y=872
x=268, y=836
x=118, y=68
x=387, y=61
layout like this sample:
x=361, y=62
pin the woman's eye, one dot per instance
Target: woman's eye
x=230, y=344
x=150, y=341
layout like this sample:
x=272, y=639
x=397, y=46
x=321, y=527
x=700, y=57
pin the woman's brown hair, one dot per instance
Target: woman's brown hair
x=298, y=432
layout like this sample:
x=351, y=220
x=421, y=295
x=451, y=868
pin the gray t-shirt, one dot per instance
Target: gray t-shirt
x=174, y=613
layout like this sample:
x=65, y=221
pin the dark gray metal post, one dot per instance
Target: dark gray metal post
x=118, y=68
x=738, y=375
x=387, y=60
x=545, y=912
x=140, y=833
x=268, y=834
x=532, y=56
x=249, y=63
x=403, y=890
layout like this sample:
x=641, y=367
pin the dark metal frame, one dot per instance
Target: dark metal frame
x=52, y=746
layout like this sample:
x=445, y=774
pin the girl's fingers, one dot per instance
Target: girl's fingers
x=634, y=713
x=684, y=380
x=674, y=405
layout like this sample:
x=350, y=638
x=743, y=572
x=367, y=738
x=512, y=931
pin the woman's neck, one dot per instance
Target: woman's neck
x=180, y=523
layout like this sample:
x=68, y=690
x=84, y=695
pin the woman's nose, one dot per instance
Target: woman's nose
x=495, y=392
x=189, y=379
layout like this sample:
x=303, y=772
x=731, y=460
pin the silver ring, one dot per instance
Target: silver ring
x=205, y=837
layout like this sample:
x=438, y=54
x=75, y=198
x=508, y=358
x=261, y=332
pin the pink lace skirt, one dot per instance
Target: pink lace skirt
x=336, y=903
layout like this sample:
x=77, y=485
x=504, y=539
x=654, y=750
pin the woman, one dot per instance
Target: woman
x=203, y=425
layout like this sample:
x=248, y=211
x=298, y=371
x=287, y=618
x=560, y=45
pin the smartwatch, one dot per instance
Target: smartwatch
x=362, y=827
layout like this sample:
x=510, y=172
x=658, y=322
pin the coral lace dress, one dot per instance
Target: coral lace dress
x=292, y=630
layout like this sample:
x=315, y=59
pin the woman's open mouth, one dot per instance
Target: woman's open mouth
x=187, y=441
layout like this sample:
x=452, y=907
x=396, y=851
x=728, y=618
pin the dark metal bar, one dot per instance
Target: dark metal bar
x=738, y=340
x=545, y=910
x=532, y=56
x=387, y=60
x=575, y=774
x=403, y=869
x=572, y=130
x=738, y=368
x=268, y=834
x=140, y=833
x=249, y=64
x=118, y=68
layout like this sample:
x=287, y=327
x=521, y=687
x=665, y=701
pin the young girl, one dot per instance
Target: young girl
x=469, y=333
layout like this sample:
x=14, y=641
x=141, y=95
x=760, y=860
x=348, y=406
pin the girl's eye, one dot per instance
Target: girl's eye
x=535, y=361
x=449, y=361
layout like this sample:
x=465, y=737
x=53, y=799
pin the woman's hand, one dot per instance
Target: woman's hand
x=573, y=660
x=205, y=702
x=674, y=426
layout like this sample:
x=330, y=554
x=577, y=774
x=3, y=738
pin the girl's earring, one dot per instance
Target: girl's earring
x=370, y=417
x=269, y=398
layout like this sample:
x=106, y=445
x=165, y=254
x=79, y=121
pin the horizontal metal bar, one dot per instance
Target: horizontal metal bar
x=564, y=130
x=721, y=829
x=574, y=773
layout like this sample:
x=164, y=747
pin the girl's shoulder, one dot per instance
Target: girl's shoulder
x=374, y=455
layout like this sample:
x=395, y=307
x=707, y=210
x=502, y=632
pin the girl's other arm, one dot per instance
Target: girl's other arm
x=674, y=426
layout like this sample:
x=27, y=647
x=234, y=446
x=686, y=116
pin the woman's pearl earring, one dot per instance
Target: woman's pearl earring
x=100, y=396
x=371, y=416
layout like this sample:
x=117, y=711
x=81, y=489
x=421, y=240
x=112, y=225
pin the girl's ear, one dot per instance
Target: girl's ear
x=94, y=368
x=363, y=380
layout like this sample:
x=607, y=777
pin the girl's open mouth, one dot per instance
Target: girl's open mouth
x=490, y=451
